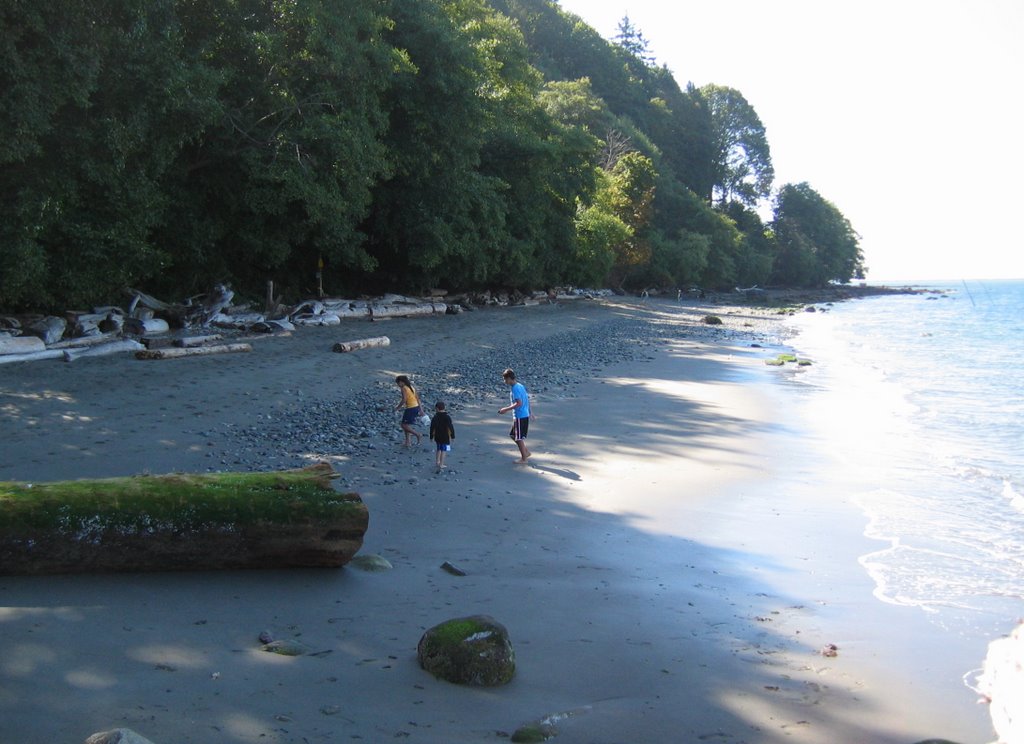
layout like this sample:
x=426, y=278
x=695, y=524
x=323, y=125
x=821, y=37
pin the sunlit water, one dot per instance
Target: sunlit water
x=921, y=398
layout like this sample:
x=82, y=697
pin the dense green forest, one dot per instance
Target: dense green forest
x=399, y=144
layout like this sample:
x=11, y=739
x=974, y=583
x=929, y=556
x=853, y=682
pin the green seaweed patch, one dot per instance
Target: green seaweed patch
x=783, y=359
x=712, y=320
x=534, y=733
x=180, y=502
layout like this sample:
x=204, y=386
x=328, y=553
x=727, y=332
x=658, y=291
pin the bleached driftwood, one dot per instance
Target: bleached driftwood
x=277, y=325
x=189, y=314
x=84, y=341
x=50, y=328
x=111, y=347
x=34, y=356
x=144, y=327
x=240, y=321
x=21, y=344
x=323, y=319
x=362, y=343
x=193, y=341
x=198, y=351
x=402, y=310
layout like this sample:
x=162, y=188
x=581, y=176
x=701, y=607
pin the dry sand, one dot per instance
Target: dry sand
x=669, y=566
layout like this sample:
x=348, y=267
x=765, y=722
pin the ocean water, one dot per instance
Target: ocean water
x=920, y=399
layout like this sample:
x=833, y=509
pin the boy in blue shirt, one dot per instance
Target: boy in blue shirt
x=520, y=406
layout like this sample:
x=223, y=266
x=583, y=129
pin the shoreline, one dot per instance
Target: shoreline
x=654, y=582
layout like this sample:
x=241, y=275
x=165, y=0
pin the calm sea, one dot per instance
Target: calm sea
x=921, y=398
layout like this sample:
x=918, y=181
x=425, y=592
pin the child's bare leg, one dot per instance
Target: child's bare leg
x=524, y=453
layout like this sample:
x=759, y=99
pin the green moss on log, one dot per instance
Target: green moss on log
x=182, y=521
x=189, y=501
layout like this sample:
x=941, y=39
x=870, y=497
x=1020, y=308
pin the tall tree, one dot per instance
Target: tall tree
x=632, y=40
x=284, y=177
x=102, y=103
x=816, y=243
x=742, y=159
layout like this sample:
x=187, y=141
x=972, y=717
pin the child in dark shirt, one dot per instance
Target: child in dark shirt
x=442, y=432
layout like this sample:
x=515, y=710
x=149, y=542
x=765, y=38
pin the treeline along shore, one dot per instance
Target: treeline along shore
x=364, y=147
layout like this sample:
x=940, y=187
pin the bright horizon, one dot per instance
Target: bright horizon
x=901, y=113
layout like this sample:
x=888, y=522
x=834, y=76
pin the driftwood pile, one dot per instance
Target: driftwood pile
x=154, y=329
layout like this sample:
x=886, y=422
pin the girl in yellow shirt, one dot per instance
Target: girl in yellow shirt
x=411, y=402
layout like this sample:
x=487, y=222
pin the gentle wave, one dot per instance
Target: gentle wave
x=921, y=402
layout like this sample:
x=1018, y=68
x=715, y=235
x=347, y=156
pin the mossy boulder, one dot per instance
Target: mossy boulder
x=712, y=320
x=472, y=650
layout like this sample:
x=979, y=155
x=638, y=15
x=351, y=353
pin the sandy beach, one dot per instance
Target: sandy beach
x=670, y=565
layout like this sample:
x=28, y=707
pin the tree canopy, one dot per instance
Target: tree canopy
x=399, y=144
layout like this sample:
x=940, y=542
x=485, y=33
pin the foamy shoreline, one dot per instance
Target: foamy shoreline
x=664, y=567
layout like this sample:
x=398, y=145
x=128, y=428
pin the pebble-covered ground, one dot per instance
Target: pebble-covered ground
x=367, y=421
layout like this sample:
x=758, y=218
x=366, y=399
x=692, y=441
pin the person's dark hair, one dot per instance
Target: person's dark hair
x=439, y=406
x=405, y=379
x=508, y=374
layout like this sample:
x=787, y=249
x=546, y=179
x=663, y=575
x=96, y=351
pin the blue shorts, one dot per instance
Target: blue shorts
x=444, y=447
x=410, y=415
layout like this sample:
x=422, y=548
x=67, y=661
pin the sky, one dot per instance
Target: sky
x=905, y=114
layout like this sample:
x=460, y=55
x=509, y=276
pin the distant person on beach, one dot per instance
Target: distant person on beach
x=442, y=432
x=411, y=402
x=520, y=406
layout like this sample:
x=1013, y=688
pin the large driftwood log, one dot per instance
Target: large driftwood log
x=111, y=347
x=32, y=356
x=174, y=353
x=401, y=310
x=146, y=326
x=84, y=341
x=362, y=343
x=281, y=519
x=21, y=344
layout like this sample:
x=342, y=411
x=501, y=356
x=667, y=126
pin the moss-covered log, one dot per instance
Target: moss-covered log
x=280, y=519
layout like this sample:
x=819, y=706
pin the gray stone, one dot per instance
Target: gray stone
x=371, y=562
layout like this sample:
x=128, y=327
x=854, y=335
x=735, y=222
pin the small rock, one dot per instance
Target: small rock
x=453, y=570
x=371, y=562
x=286, y=648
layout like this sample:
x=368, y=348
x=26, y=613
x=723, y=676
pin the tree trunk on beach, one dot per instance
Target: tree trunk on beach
x=280, y=519
x=176, y=353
